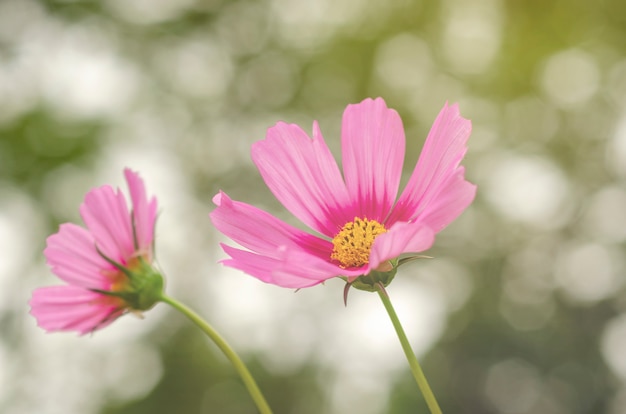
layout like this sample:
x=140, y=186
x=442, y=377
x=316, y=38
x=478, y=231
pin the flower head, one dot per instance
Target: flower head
x=107, y=265
x=362, y=228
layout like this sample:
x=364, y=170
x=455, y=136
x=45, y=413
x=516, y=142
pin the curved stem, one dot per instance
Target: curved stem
x=418, y=374
x=241, y=368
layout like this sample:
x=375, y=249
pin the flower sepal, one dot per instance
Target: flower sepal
x=145, y=288
x=383, y=274
x=142, y=287
x=412, y=258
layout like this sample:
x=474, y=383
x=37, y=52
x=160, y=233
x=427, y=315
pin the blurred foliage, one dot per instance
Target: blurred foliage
x=198, y=380
x=38, y=142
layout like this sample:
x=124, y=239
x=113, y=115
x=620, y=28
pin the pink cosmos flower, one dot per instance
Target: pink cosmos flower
x=361, y=226
x=104, y=265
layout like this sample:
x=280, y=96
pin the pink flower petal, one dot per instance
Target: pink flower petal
x=73, y=258
x=144, y=212
x=71, y=308
x=401, y=238
x=454, y=196
x=372, y=144
x=303, y=175
x=443, y=151
x=291, y=267
x=261, y=232
x=264, y=268
x=107, y=217
x=281, y=254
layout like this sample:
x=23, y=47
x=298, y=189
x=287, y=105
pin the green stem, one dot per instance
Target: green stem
x=241, y=368
x=418, y=374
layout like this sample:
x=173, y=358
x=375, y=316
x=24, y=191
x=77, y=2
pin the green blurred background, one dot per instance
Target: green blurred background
x=523, y=309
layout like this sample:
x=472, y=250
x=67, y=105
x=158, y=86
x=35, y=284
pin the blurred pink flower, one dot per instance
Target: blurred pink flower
x=361, y=227
x=98, y=262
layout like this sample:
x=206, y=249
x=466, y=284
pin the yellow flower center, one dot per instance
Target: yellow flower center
x=352, y=245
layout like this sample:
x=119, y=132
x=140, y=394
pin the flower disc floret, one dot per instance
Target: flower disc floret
x=353, y=244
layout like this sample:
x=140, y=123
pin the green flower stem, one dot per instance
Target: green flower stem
x=241, y=368
x=418, y=374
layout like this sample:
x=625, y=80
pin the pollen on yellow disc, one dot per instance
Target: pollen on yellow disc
x=352, y=245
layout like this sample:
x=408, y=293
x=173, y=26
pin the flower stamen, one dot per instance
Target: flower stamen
x=353, y=244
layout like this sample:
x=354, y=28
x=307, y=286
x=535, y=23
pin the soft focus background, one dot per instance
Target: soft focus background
x=523, y=309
